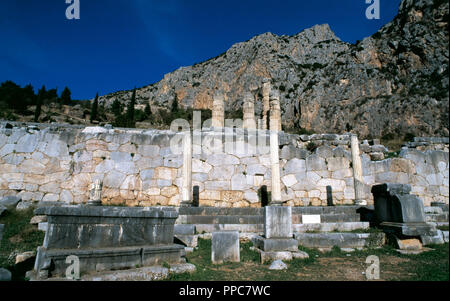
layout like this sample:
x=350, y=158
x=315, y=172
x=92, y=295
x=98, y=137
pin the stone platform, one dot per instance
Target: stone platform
x=107, y=238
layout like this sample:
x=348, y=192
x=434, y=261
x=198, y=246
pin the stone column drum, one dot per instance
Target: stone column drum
x=357, y=172
x=186, y=190
x=275, y=110
x=275, y=161
x=218, y=112
x=266, y=103
x=249, y=111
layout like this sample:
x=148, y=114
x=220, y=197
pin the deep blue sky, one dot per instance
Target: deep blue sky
x=119, y=44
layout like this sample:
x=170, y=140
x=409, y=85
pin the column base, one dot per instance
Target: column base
x=186, y=204
x=361, y=202
x=92, y=203
x=277, y=203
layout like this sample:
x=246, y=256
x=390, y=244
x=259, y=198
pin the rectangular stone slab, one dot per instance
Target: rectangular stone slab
x=275, y=244
x=225, y=247
x=95, y=260
x=278, y=222
x=79, y=227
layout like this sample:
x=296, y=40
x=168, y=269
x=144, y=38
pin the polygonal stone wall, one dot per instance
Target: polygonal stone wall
x=58, y=163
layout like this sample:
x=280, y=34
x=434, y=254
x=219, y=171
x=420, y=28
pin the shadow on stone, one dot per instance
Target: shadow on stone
x=196, y=196
x=330, y=196
x=263, y=196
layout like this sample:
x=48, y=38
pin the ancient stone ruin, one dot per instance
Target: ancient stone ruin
x=280, y=190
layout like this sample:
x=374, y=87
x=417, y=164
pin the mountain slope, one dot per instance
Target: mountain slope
x=395, y=82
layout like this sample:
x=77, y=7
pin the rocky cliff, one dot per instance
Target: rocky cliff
x=394, y=82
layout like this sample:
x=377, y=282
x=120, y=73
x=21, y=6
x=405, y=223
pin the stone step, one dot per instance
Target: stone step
x=326, y=210
x=213, y=211
x=222, y=219
x=443, y=206
x=341, y=240
x=301, y=228
x=443, y=217
x=245, y=228
x=330, y=218
x=433, y=210
x=331, y=227
x=259, y=219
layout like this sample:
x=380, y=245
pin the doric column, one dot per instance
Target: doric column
x=275, y=110
x=275, y=162
x=249, y=111
x=218, y=112
x=266, y=103
x=357, y=172
x=186, y=189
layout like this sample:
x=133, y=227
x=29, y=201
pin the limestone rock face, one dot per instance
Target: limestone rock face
x=395, y=81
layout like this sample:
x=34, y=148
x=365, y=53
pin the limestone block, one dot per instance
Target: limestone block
x=221, y=172
x=151, y=151
x=434, y=179
x=121, y=157
x=295, y=166
x=339, y=163
x=50, y=197
x=315, y=163
x=161, y=183
x=239, y=182
x=222, y=159
x=66, y=197
x=231, y=196
x=113, y=179
x=289, y=180
x=146, y=163
x=165, y=173
x=251, y=196
x=218, y=185
x=278, y=265
x=254, y=169
x=342, y=174
x=324, y=151
x=173, y=161
x=225, y=247
x=200, y=166
x=402, y=165
x=277, y=222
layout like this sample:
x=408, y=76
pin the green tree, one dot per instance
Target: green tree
x=66, y=98
x=116, y=108
x=175, y=105
x=147, y=110
x=94, y=110
x=130, y=111
x=51, y=96
x=40, y=99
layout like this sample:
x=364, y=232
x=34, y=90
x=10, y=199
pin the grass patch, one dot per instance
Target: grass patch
x=334, y=265
x=18, y=237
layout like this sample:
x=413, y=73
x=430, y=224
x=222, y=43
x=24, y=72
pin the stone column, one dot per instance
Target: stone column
x=275, y=110
x=95, y=194
x=186, y=189
x=275, y=163
x=249, y=111
x=357, y=172
x=218, y=111
x=266, y=103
